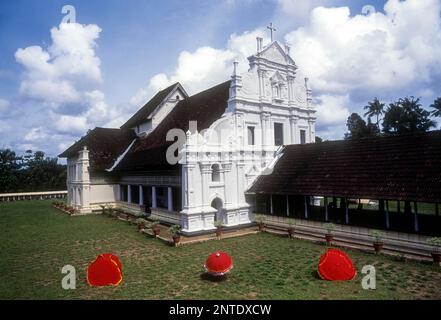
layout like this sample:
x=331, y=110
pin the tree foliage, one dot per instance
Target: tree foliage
x=406, y=115
x=358, y=128
x=30, y=172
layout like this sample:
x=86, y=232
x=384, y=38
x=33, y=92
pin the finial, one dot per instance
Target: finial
x=259, y=43
x=235, y=63
x=287, y=48
x=306, y=82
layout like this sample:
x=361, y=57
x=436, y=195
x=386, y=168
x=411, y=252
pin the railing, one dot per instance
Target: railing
x=396, y=243
x=33, y=195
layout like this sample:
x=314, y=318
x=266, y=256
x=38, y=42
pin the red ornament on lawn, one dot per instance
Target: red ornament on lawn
x=336, y=265
x=218, y=264
x=106, y=270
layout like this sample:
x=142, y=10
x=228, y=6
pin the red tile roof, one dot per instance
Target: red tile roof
x=204, y=107
x=141, y=115
x=104, y=145
x=404, y=167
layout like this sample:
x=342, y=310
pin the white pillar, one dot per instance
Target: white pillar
x=170, y=199
x=129, y=193
x=415, y=217
x=141, y=195
x=306, y=208
x=346, y=211
x=387, y=214
x=154, y=197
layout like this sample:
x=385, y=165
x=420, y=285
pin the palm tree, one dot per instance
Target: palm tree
x=374, y=108
x=437, y=106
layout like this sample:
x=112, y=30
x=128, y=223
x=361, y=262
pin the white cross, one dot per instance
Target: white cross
x=272, y=30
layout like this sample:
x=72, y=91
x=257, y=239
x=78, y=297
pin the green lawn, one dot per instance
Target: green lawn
x=37, y=240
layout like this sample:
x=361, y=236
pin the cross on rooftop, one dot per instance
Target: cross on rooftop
x=272, y=30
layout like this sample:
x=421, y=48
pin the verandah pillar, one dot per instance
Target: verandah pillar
x=416, y=227
x=154, y=205
x=287, y=205
x=141, y=195
x=387, y=214
x=129, y=193
x=326, y=208
x=306, y=207
x=170, y=199
x=346, y=211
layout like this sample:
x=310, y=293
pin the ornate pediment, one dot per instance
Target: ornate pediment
x=274, y=53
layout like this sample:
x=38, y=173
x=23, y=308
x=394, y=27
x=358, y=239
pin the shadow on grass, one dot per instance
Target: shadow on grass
x=211, y=278
x=315, y=275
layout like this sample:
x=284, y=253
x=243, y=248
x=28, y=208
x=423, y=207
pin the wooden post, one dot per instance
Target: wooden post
x=326, y=209
x=306, y=208
x=387, y=214
x=437, y=209
x=287, y=205
x=415, y=221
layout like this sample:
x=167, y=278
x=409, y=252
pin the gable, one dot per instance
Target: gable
x=274, y=53
x=143, y=114
x=205, y=107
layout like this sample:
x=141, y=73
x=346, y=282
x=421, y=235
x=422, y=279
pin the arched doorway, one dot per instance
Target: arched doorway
x=217, y=204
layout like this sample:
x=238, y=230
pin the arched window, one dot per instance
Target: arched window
x=215, y=174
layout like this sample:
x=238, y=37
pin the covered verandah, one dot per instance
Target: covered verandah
x=394, y=215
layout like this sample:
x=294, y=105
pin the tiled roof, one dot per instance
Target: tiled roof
x=204, y=107
x=142, y=114
x=104, y=145
x=404, y=167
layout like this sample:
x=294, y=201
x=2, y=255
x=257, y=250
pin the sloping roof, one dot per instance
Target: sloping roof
x=142, y=114
x=204, y=107
x=104, y=145
x=404, y=167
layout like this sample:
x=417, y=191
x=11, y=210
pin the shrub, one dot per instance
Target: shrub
x=378, y=235
x=436, y=243
x=329, y=227
x=175, y=229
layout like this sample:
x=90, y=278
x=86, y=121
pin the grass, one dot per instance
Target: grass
x=36, y=241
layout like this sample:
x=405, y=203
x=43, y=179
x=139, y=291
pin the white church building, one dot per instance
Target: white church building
x=191, y=159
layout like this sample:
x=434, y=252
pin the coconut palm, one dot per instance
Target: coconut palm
x=437, y=106
x=374, y=109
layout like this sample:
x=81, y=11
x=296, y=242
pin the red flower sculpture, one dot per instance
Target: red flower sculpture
x=104, y=271
x=336, y=265
x=218, y=264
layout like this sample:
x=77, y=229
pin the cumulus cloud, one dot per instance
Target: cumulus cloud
x=204, y=67
x=65, y=79
x=332, y=110
x=374, y=52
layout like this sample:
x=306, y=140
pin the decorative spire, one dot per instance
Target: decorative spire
x=308, y=92
x=235, y=63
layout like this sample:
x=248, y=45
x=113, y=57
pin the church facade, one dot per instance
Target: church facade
x=190, y=160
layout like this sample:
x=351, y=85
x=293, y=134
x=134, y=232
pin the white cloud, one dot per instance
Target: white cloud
x=204, y=67
x=70, y=124
x=332, y=110
x=36, y=134
x=65, y=79
x=374, y=52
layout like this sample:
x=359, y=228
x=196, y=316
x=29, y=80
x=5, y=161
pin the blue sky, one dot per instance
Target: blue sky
x=138, y=47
